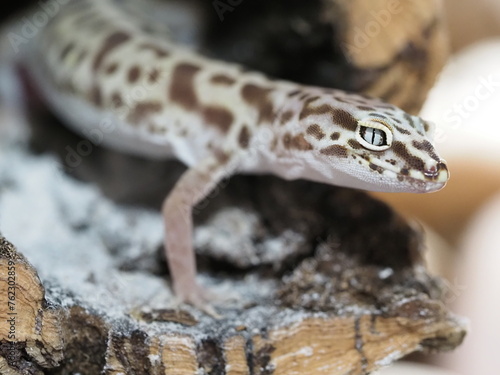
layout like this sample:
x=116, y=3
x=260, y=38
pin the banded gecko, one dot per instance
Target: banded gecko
x=95, y=63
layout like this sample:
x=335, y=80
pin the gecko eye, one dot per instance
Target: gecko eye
x=374, y=135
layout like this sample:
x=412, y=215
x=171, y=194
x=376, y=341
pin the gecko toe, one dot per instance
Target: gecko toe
x=199, y=297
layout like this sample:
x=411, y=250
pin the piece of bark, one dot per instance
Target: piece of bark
x=358, y=300
x=400, y=47
x=30, y=333
x=389, y=49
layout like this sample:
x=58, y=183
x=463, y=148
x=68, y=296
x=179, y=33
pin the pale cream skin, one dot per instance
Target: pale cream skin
x=93, y=63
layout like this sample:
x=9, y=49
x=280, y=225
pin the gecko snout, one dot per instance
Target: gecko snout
x=437, y=171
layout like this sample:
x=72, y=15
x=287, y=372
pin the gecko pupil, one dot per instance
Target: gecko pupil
x=376, y=137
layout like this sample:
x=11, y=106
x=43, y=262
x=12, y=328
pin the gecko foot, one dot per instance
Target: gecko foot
x=199, y=297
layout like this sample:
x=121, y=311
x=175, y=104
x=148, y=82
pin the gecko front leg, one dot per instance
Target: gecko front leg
x=194, y=185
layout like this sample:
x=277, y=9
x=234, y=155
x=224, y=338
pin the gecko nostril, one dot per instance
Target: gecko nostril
x=434, y=170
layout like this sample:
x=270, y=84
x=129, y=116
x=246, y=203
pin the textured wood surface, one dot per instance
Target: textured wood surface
x=392, y=49
x=403, y=43
x=347, y=294
x=334, y=314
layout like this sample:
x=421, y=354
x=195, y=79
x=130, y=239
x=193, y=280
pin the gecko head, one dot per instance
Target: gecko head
x=371, y=145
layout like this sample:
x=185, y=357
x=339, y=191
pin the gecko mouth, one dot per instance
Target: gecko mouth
x=426, y=185
x=432, y=179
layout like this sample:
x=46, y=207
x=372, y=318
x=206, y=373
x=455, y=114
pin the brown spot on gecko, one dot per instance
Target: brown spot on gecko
x=316, y=131
x=300, y=143
x=286, y=116
x=152, y=128
x=311, y=111
x=157, y=50
x=293, y=93
x=401, y=150
x=81, y=56
x=411, y=122
x=311, y=100
x=153, y=75
x=222, y=79
x=297, y=142
x=66, y=50
x=342, y=100
x=426, y=126
x=402, y=130
x=116, y=100
x=287, y=139
x=133, y=74
x=335, y=150
x=335, y=136
x=344, y=119
x=274, y=144
x=374, y=114
x=259, y=97
x=391, y=161
x=222, y=157
x=366, y=108
x=142, y=110
x=96, y=95
x=427, y=147
x=219, y=117
x=405, y=171
x=360, y=103
x=112, y=42
x=376, y=168
x=111, y=68
x=254, y=94
x=303, y=96
x=396, y=120
x=182, y=87
x=244, y=137
x=354, y=144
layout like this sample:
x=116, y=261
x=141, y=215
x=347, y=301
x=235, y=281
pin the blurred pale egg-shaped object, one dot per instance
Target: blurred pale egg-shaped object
x=478, y=294
x=469, y=21
x=464, y=105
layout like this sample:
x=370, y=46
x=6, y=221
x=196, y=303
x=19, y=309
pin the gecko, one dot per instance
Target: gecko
x=97, y=64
